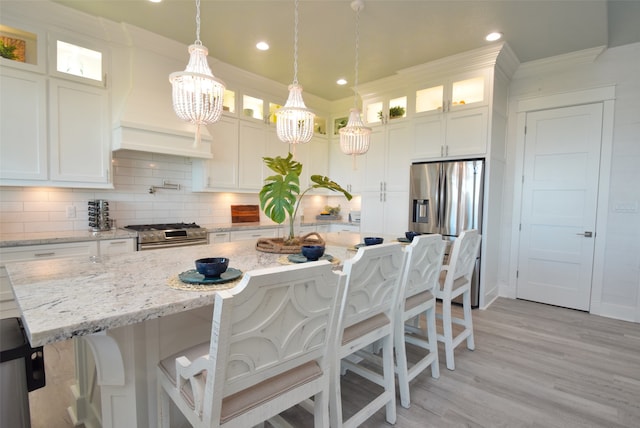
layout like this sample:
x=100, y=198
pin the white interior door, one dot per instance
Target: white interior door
x=559, y=201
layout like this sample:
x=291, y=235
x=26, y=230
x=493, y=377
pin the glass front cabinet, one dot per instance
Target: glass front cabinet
x=451, y=116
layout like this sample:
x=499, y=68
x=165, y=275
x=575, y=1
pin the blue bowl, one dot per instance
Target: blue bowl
x=372, y=240
x=312, y=252
x=212, y=267
x=411, y=235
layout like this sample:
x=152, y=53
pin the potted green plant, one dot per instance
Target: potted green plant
x=396, y=111
x=281, y=194
x=7, y=51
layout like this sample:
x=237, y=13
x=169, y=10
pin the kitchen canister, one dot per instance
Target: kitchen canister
x=99, y=215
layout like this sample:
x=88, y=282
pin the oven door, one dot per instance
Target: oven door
x=171, y=244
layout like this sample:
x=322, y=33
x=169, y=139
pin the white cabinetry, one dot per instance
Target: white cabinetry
x=218, y=237
x=111, y=247
x=451, y=117
x=221, y=172
x=314, y=157
x=245, y=235
x=23, y=125
x=342, y=169
x=79, y=133
x=64, y=142
x=385, y=192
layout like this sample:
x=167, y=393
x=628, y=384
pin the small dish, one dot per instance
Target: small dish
x=193, y=277
x=299, y=258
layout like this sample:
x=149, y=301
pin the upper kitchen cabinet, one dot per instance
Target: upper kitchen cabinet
x=381, y=110
x=451, y=117
x=77, y=59
x=26, y=46
x=220, y=172
x=23, y=127
x=79, y=134
x=55, y=132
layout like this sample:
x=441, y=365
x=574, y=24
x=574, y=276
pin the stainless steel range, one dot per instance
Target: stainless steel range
x=154, y=236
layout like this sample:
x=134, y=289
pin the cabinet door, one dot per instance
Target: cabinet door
x=116, y=246
x=397, y=158
x=341, y=168
x=396, y=213
x=222, y=170
x=23, y=125
x=385, y=213
x=374, y=162
x=315, y=161
x=79, y=133
x=218, y=237
x=372, y=221
x=251, y=150
x=428, y=136
x=466, y=132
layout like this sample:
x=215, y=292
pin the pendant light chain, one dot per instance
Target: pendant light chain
x=355, y=86
x=295, y=44
x=197, y=42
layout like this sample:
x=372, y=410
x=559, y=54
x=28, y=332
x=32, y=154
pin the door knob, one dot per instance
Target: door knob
x=586, y=234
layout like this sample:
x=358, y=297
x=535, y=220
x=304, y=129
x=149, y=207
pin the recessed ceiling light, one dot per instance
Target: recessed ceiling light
x=263, y=46
x=341, y=81
x=492, y=37
x=155, y=1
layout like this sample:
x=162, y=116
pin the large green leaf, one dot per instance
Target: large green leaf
x=284, y=166
x=326, y=183
x=278, y=196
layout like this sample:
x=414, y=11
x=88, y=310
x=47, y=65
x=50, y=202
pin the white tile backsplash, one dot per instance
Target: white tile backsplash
x=28, y=209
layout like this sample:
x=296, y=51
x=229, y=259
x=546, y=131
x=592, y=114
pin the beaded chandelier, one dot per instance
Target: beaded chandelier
x=354, y=138
x=197, y=94
x=294, y=121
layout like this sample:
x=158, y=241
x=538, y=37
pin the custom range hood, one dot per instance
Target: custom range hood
x=143, y=116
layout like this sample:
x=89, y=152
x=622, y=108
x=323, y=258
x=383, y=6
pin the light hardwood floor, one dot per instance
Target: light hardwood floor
x=534, y=366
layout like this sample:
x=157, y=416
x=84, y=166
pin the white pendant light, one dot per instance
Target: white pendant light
x=355, y=137
x=197, y=94
x=294, y=121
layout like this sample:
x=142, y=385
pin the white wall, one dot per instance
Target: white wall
x=620, y=66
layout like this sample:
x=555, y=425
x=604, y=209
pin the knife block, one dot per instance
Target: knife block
x=99, y=215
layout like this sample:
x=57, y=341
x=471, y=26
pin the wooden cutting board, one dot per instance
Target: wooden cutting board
x=245, y=213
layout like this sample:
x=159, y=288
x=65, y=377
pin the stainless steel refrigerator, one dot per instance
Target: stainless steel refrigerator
x=446, y=198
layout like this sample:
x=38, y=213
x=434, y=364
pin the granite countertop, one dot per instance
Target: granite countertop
x=63, y=298
x=40, y=238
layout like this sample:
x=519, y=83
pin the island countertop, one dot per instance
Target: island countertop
x=63, y=298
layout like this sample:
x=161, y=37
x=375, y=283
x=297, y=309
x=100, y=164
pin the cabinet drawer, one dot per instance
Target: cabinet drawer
x=245, y=235
x=47, y=251
x=117, y=246
x=216, y=237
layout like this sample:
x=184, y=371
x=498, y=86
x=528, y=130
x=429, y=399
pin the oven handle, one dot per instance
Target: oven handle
x=144, y=247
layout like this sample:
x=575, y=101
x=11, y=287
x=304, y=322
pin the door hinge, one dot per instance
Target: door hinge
x=525, y=130
x=517, y=274
x=520, y=227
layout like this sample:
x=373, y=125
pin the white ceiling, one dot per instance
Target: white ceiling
x=394, y=34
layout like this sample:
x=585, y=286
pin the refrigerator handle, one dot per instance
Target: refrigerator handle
x=443, y=196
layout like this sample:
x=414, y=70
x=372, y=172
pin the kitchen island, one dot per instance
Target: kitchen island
x=126, y=316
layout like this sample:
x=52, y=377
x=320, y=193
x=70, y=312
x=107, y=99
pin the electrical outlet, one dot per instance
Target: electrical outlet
x=71, y=211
